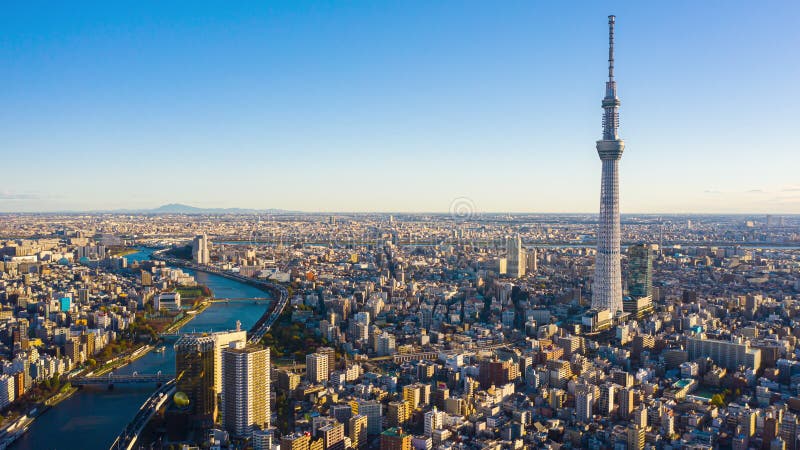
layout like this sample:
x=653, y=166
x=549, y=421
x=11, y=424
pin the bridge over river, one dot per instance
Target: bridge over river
x=242, y=299
x=112, y=379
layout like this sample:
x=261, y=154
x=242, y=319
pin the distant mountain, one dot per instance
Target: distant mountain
x=175, y=208
x=178, y=208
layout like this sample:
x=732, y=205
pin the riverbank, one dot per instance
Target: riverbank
x=124, y=360
x=19, y=426
x=65, y=393
x=189, y=315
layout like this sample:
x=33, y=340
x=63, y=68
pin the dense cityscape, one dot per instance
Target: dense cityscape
x=188, y=328
x=433, y=330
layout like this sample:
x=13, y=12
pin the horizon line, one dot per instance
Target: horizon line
x=280, y=211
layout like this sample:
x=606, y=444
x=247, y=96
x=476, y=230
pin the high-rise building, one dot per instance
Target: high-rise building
x=88, y=339
x=7, y=391
x=194, y=369
x=730, y=355
x=19, y=384
x=386, y=344
x=607, y=286
x=398, y=413
x=635, y=437
x=333, y=436
x=72, y=349
x=395, y=439
x=192, y=355
x=556, y=398
x=316, y=367
x=147, y=278
x=640, y=416
x=622, y=378
x=330, y=353
x=441, y=394
x=245, y=388
x=222, y=340
x=434, y=420
x=626, y=396
x=668, y=423
x=790, y=431
x=374, y=412
x=515, y=257
x=496, y=372
x=532, y=263
x=584, y=401
x=342, y=412
x=640, y=281
x=287, y=380
x=640, y=271
x=771, y=427
x=608, y=392
x=417, y=394
x=358, y=431
x=200, y=249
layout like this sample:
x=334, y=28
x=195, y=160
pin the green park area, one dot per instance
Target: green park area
x=193, y=292
x=717, y=396
x=121, y=250
x=291, y=340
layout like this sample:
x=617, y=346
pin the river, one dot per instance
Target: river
x=94, y=416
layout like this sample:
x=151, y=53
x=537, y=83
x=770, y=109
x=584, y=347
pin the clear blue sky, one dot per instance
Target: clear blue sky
x=397, y=106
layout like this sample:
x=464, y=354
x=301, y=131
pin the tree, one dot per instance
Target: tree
x=56, y=382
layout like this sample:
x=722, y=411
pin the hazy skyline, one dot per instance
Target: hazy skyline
x=397, y=106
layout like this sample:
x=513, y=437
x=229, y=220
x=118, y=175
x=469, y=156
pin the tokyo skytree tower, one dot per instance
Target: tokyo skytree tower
x=607, y=286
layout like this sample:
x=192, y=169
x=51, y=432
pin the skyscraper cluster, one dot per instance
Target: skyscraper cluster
x=222, y=375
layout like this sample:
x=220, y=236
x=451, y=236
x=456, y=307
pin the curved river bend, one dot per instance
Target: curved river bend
x=93, y=416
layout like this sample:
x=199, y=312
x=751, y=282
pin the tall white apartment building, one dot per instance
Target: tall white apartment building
x=245, y=388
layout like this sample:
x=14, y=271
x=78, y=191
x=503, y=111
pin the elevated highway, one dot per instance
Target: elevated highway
x=127, y=439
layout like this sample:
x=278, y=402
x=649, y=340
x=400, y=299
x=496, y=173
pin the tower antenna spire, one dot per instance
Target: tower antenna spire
x=611, y=47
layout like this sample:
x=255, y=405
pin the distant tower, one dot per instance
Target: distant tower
x=607, y=287
x=200, y=250
x=515, y=257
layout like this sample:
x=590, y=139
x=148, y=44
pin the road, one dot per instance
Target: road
x=127, y=439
